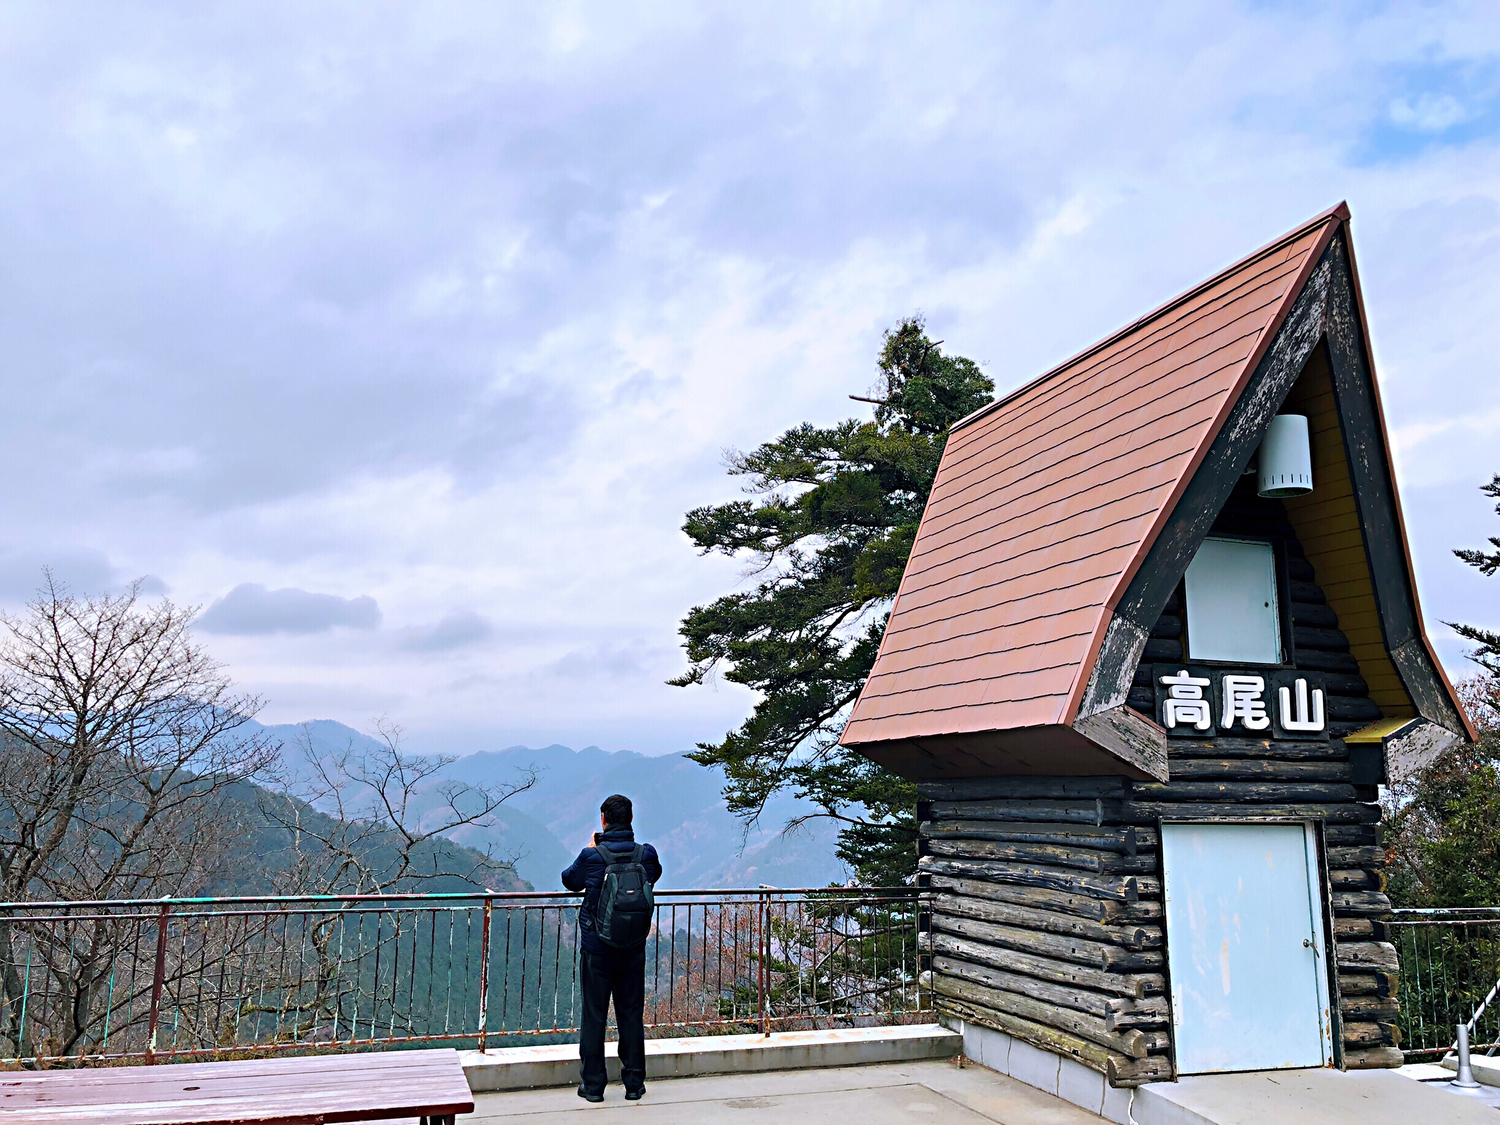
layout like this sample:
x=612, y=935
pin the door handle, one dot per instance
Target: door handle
x=1307, y=943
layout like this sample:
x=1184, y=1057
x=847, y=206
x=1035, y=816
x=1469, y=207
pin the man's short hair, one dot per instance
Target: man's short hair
x=617, y=810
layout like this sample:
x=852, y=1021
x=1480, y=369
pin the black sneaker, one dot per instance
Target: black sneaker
x=588, y=1097
x=635, y=1095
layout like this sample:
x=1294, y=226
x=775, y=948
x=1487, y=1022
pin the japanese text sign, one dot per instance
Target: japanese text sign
x=1198, y=702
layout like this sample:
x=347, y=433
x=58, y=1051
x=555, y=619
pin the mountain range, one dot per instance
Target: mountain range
x=679, y=808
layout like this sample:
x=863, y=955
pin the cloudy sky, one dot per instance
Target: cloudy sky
x=400, y=336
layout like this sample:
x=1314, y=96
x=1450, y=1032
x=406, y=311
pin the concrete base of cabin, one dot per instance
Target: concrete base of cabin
x=524, y=1068
x=1065, y=1078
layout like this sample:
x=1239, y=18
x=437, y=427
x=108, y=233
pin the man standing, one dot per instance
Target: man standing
x=612, y=959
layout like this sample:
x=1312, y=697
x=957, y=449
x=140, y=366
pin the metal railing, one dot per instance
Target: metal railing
x=204, y=978
x=1450, y=964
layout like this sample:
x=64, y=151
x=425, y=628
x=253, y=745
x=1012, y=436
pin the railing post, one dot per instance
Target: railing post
x=158, y=977
x=484, y=973
x=1465, y=1079
x=765, y=952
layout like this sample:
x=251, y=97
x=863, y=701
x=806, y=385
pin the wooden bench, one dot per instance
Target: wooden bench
x=315, y=1090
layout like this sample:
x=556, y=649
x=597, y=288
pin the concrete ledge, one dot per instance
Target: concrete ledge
x=1486, y=1068
x=522, y=1068
x=1317, y=1096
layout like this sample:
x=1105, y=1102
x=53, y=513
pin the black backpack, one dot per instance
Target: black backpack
x=622, y=914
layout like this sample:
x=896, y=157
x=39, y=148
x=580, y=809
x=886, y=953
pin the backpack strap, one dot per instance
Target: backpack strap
x=605, y=856
x=640, y=850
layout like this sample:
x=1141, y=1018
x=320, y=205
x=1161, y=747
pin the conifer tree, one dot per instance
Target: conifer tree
x=833, y=519
x=1488, y=640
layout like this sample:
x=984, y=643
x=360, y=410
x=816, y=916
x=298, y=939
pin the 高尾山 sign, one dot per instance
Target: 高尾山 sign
x=1198, y=702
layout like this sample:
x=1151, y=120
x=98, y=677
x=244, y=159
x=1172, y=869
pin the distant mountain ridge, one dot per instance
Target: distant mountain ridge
x=679, y=808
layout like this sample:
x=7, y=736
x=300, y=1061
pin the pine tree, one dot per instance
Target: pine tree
x=1487, y=654
x=834, y=519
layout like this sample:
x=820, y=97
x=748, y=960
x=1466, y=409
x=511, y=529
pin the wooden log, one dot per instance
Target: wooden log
x=1354, y=929
x=1320, y=640
x=1259, y=769
x=1311, y=660
x=1352, y=835
x=1314, y=615
x=1120, y=888
x=1243, y=792
x=1279, y=750
x=1079, y=999
x=1093, y=954
x=1146, y=911
x=1351, y=708
x=1152, y=1012
x=1020, y=788
x=1307, y=592
x=1362, y=1035
x=1374, y=1058
x=1050, y=812
x=1137, y=1072
x=1168, y=627
x=1342, y=683
x=1356, y=879
x=1044, y=898
x=1126, y=841
x=1362, y=903
x=1367, y=855
x=1054, y=855
x=1156, y=1041
x=1085, y=906
x=1160, y=651
x=1135, y=986
x=1148, y=812
x=1366, y=955
x=1368, y=984
x=1129, y=1043
x=1035, y=918
x=1038, y=1035
x=1369, y=1007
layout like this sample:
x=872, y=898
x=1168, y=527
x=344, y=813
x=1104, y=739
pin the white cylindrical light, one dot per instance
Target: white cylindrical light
x=1286, y=458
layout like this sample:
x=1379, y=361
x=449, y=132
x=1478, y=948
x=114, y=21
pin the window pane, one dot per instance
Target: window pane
x=1232, y=611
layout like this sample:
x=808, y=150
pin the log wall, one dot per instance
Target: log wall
x=1045, y=916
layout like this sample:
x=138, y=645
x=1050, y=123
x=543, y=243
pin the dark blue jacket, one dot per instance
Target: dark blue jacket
x=587, y=875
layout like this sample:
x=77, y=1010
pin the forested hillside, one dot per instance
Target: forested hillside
x=679, y=808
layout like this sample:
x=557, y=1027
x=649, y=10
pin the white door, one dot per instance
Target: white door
x=1245, y=949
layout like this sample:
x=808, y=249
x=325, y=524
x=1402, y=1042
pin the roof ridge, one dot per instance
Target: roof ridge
x=1338, y=211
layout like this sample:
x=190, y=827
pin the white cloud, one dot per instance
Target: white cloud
x=1428, y=113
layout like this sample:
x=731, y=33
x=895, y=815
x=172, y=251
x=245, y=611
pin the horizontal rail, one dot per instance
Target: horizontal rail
x=446, y=896
x=203, y=977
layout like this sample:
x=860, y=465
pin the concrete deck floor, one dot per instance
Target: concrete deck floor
x=936, y=1091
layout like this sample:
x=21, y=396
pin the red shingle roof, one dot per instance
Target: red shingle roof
x=1048, y=500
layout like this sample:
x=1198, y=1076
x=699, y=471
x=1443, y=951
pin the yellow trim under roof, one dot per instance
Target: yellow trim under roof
x=1328, y=527
x=1381, y=731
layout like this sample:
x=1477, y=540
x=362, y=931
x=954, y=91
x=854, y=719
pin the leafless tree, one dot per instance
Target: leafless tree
x=367, y=819
x=121, y=739
x=364, y=820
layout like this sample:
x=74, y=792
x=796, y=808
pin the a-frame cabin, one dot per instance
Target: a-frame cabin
x=1149, y=676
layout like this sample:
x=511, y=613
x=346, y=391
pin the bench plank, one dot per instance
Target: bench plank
x=310, y=1090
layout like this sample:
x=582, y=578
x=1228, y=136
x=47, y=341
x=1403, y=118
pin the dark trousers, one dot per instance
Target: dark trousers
x=620, y=973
